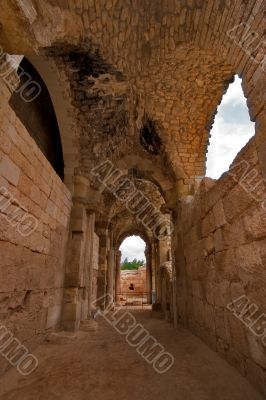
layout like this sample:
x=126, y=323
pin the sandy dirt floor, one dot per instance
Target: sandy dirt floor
x=99, y=365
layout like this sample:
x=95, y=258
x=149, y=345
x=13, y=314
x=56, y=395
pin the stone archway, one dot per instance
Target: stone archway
x=141, y=279
x=137, y=83
x=58, y=90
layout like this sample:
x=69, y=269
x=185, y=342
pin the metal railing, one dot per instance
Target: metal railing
x=133, y=299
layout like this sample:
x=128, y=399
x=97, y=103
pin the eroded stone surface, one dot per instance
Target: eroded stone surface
x=135, y=84
x=105, y=366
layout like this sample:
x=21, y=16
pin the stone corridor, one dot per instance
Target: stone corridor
x=100, y=365
x=106, y=112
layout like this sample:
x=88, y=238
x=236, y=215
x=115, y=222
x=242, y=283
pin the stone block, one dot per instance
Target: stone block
x=78, y=219
x=221, y=294
x=209, y=321
x=53, y=316
x=236, y=202
x=208, y=224
x=71, y=316
x=226, y=264
x=221, y=326
x=9, y=170
x=71, y=295
x=218, y=240
x=255, y=223
x=218, y=213
x=234, y=234
x=249, y=260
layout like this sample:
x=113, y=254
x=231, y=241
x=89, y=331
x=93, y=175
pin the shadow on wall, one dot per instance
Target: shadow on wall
x=38, y=117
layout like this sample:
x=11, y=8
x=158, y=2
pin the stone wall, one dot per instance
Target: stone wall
x=165, y=289
x=136, y=277
x=95, y=268
x=34, y=216
x=221, y=256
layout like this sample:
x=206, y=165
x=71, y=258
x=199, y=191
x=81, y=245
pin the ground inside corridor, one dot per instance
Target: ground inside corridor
x=100, y=365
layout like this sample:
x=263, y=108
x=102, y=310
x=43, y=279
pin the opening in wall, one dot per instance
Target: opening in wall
x=133, y=274
x=231, y=131
x=37, y=114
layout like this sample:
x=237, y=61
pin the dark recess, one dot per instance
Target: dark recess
x=39, y=118
x=149, y=138
x=91, y=64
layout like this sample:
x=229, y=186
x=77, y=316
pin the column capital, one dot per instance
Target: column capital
x=87, y=196
x=101, y=228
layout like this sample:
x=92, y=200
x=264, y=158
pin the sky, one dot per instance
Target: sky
x=133, y=247
x=232, y=129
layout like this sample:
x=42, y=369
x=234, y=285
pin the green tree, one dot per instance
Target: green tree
x=135, y=264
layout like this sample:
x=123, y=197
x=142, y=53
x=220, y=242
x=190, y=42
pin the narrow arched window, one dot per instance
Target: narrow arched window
x=231, y=130
x=33, y=106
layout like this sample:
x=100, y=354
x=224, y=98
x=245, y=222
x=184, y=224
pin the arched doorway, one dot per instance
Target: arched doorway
x=133, y=288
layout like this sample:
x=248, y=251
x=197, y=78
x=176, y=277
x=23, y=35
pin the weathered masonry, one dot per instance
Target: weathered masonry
x=105, y=115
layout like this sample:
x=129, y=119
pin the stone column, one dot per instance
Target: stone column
x=110, y=275
x=157, y=269
x=154, y=271
x=148, y=273
x=118, y=275
x=163, y=248
x=77, y=285
x=88, y=267
x=74, y=291
x=110, y=268
x=174, y=239
x=102, y=273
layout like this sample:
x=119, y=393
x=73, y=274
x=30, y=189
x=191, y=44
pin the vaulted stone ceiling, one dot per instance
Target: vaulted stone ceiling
x=121, y=217
x=142, y=211
x=136, y=82
x=145, y=77
x=157, y=115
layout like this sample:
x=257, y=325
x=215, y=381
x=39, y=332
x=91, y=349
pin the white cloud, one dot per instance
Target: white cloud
x=133, y=247
x=234, y=94
x=232, y=129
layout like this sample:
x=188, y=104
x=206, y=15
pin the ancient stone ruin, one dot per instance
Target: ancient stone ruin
x=105, y=116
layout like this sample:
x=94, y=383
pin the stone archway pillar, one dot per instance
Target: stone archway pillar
x=155, y=268
x=78, y=272
x=102, y=232
x=75, y=288
x=164, y=248
x=118, y=275
x=90, y=266
x=174, y=245
x=111, y=266
x=148, y=273
x=110, y=275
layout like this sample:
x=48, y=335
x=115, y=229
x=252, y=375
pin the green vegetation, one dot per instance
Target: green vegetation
x=135, y=264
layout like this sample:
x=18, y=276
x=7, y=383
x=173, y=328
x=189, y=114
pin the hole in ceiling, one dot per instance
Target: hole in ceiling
x=149, y=138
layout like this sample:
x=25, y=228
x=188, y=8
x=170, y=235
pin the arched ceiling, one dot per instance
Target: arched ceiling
x=134, y=231
x=122, y=219
x=163, y=116
x=145, y=76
